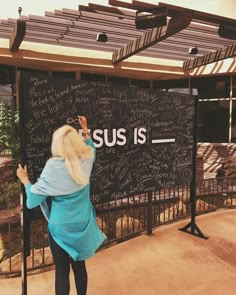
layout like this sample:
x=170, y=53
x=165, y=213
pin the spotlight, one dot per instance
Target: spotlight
x=19, y=10
x=193, y=50
x=227, y=31
x=154, y=18
x=102, y=37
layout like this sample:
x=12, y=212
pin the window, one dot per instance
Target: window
x=213, y=121
x=234, y=87
x=233, y=129
x=140, y=83
x=118, y=80
x=168, y=85
x=7, y=75
x=70, y=75
x=28, y=70
x=92, y=77
x=212, y=87
x=6, y=89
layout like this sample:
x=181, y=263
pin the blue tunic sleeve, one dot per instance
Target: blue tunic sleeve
x=33, y=200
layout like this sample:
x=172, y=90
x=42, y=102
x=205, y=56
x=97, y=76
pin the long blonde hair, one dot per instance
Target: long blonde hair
x=69, y=145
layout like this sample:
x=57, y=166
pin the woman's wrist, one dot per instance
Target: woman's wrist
x=86, y=133
x=25, y=180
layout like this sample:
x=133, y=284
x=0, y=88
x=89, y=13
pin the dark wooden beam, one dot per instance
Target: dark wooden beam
x=222, y=53
x=18, y=35
x=198, y=15
x=153, y=36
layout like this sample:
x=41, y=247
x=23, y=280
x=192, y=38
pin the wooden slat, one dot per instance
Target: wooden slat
x=87, y=45
x=143, y=6
x=163, y=55
x=201, y=39
x=112, y=35
x=136, y=5
x=72, y=12
x=153, y=36
x=4, y=35
x=121, y=4
x=85, y=8
x=203, y=43
x=223, y=53
x=112, y=10
x=100, y=28
x=113, y=19
x=32, y=32
x=179, y=43
x=68, y=16
x=13, y=20
x=18, y=35
x=50, y=20
x=41, y=27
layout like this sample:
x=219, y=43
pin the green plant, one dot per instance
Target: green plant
x=9, y=125
x=9, y=195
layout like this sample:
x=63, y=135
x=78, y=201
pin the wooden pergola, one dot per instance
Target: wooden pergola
x=185, y=28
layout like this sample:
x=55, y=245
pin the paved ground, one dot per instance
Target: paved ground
x=170, y=262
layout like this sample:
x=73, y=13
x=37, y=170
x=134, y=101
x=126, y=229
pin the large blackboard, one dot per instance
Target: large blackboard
x=144, y=138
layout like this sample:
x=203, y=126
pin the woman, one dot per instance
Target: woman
x=73, y=232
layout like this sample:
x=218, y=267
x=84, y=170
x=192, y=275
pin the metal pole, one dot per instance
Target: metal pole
x=23, y=260
x=25, y=219
x=194, y=230
x=149, y=215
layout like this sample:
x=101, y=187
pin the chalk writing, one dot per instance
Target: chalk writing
x=143, y=137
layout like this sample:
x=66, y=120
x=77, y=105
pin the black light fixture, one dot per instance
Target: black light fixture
x=227, y=31
x=193, y=50
x=19, y=11
x=151, y=19
x=102, y=37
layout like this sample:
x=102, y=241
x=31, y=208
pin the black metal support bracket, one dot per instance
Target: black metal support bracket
x=193, y=229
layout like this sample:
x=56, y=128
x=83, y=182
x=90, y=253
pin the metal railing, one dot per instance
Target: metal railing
x=119, y=220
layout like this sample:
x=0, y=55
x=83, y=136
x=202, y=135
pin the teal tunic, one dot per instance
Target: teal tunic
x=71, y=215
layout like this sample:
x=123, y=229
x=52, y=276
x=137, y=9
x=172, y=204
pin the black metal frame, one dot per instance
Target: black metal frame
x=194, y=229
x=137, y=215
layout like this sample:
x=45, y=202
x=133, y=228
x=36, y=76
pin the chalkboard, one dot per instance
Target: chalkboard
x=144, y=138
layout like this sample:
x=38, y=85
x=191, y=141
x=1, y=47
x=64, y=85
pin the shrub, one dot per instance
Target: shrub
x=9, y=137
x=9, y=195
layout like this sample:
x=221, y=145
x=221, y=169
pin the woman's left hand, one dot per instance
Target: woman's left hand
x=22, y=174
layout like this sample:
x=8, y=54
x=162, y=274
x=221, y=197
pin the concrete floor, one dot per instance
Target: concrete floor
x=170, y=262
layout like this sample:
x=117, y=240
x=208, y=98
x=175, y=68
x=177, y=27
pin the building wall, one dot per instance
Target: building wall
x=213, y=155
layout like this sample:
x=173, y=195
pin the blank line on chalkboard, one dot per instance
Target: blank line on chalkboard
x=166, y=140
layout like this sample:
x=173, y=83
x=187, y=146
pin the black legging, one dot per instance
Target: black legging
x=62, y=262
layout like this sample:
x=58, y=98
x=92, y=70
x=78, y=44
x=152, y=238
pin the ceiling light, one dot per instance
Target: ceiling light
x=151, y=19
x=102, y=37
x=193, y=50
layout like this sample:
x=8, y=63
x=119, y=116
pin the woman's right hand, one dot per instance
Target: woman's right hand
x=83, y=124
x=22, y=174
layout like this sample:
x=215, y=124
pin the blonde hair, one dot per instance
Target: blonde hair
x=69, y=145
